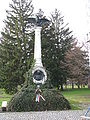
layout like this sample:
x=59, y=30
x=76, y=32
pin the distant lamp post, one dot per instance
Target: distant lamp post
x=38, y=72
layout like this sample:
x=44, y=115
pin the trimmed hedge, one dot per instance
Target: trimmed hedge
x=25, y=101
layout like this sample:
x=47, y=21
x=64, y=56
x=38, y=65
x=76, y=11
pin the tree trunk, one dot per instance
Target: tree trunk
x=72, y=85
x=89, y=83
x=57, y=87
x=78, y=86
x=61, y=87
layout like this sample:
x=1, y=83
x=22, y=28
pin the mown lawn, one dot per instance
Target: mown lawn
x=78, y=98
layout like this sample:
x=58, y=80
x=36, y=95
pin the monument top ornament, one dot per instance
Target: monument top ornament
x=38, y=21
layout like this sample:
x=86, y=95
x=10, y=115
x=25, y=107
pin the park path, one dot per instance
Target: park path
x=45, y=115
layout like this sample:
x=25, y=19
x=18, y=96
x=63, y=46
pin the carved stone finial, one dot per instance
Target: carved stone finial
x=38, y=21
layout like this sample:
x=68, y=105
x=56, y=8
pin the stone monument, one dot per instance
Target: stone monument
x=29, y=99
x=38, y=72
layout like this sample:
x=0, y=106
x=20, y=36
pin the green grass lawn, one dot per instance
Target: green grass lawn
x=4, y=96
x=77, y=97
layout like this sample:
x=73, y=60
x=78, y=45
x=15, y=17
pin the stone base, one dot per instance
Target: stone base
x=4, y=109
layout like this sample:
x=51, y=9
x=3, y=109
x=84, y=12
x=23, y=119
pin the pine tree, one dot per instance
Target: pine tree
x=56, y=40
x=16, y=45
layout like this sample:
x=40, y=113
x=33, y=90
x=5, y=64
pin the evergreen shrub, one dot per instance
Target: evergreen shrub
x=25, y=101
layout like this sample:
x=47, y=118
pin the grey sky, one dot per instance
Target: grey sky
x=74, y=11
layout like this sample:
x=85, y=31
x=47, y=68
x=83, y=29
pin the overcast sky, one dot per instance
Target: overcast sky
x=75, y=13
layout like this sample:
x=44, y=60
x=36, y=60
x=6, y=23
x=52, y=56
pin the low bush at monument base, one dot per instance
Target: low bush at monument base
x=25, y=101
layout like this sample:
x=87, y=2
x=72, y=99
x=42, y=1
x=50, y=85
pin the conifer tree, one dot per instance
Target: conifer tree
x=56, y=40
x=16, y=45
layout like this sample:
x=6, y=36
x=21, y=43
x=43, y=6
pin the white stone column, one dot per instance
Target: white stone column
x=38, y=72
x=37, y=47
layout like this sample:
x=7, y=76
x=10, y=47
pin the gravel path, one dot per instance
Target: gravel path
x=46, y=115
